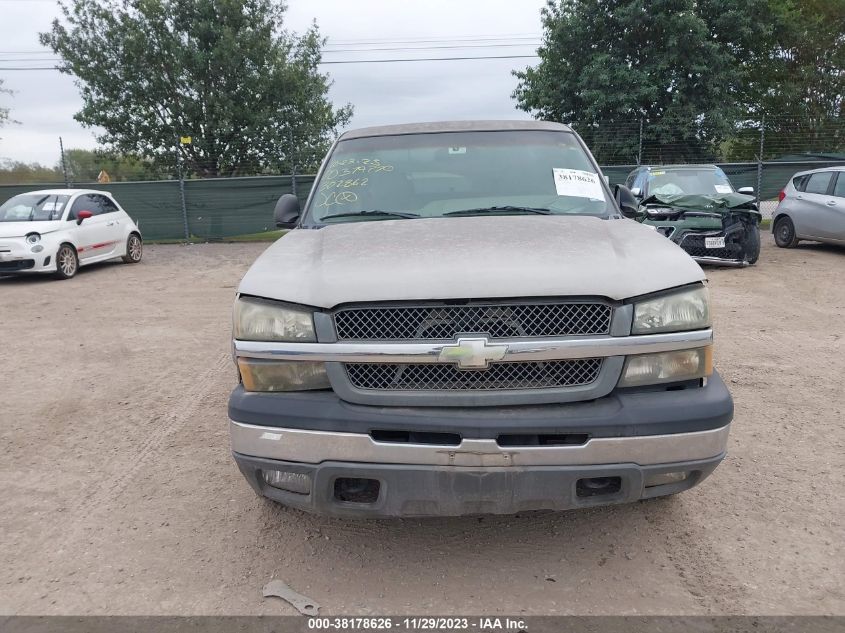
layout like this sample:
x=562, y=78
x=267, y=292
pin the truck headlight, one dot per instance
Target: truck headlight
x=264, y=320
x=685, y=310
x=273, y=375
x=677, y=366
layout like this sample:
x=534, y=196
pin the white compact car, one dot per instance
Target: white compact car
x=58, y=230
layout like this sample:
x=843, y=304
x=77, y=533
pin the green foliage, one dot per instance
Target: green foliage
x=683, y=67
x=85, y=165
x=18, y=173
x=224, y=72
x=800, y=86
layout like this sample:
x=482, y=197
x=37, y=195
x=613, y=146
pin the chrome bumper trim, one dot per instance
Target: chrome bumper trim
x=517, y=349
x=314, y=447
x=719, y=261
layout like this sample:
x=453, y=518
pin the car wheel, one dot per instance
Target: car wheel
x=785, y=233
x=67, y=262
x=752, y=244
x=134, y=249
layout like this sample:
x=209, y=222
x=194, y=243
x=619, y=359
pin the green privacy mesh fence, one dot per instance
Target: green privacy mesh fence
x=215, y=208
x=229, y=207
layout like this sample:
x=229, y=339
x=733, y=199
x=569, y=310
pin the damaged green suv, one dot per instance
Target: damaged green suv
x=697, y=208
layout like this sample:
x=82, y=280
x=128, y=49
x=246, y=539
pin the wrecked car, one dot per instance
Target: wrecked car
x=462, y=321
x=697, y=207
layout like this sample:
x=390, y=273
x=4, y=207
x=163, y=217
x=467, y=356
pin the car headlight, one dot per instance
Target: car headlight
x=273, y=375
x=685, y=310
x=263, y=320
x=33, y=238
x=677, y=366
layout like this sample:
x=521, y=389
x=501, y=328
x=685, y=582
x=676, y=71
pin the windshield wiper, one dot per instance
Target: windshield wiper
x=371, y=213
x=537, y=210
x=35, y=206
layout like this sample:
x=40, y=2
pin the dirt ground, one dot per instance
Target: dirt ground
x=119, y=495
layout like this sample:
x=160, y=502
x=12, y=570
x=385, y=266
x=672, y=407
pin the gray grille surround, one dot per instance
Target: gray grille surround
x=443, y=322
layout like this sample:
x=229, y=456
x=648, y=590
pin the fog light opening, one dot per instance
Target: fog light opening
x=356, y=489
x=596, y=486
x=661, y=479
x=300, y=483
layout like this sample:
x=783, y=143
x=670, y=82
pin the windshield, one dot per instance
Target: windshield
x=31, y=207
x=462, y=173
x=668, y=182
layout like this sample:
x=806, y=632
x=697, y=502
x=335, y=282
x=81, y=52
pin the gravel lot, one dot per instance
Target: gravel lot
x=120, y=497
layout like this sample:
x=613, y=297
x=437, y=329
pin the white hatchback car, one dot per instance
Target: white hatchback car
x=58, y=230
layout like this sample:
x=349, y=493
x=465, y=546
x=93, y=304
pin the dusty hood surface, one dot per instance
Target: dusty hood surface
x=19, y=229
x=721, y=203
x=468, y=258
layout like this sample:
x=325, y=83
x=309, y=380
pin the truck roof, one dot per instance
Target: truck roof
x=455, y=126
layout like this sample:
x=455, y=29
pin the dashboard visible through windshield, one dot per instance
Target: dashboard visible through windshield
x=461, y=173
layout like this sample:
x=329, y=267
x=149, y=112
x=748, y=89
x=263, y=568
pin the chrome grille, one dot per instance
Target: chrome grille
x=444, y=322
x=445, y=377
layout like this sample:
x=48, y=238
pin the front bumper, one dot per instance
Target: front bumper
x=16, y=256
x=471, y=469
x=423, y=490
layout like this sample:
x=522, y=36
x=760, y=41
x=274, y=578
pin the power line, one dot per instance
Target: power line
x=355, y=61
x=425, y=59
x=425, y=48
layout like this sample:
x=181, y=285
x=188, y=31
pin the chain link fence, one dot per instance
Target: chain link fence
x=763, y=156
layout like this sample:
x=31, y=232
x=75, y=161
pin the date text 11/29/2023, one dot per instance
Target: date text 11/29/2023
x=418, y=623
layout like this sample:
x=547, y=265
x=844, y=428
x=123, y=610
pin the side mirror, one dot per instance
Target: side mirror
x=627, y=201
x=287, y=211
x=636, y=191
x=83, y=215
x=748, y=191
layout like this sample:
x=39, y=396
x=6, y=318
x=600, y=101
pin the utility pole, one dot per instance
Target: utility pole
x=64, y=164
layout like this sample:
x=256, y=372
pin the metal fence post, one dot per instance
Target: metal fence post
x=640, y=150
x=182, y=192
x=292, y=164
x=64, y=164
x=760, y=158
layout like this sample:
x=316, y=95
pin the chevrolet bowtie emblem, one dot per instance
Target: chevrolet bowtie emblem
x=472, y=353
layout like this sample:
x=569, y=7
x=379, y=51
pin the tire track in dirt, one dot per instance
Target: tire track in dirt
x=200, y=388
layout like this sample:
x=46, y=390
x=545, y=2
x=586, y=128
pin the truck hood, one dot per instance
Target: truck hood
x=468, y=258
x=19, y=229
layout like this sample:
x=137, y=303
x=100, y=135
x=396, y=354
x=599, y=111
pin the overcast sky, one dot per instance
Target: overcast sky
x=45, y=101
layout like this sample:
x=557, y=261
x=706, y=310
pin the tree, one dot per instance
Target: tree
x=682, y=67
x=18, y=173
x=4, y=112
x=224, y=72
x=801, y=87
x=85, y=165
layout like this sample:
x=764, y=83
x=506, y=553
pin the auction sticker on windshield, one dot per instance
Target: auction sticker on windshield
x=577, y=183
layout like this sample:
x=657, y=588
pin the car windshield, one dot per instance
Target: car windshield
x=669, y=182
x=453, y=174
x=33, y=207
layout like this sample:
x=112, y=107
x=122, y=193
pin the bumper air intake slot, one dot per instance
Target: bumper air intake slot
x=545, y=439
x=416, y=437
